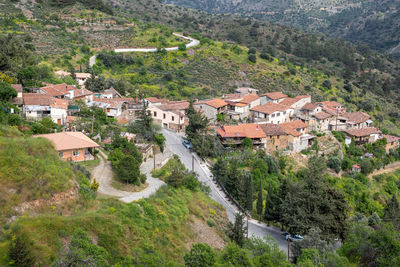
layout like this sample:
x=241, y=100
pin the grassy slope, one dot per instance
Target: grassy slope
x=30, y=169
x=159, y=224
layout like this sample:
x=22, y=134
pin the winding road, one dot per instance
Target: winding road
x=174, y=144
x=193, y=42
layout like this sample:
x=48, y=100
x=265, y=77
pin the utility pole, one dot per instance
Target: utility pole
x=288, y=248
x=247, y=217
x=92, y=121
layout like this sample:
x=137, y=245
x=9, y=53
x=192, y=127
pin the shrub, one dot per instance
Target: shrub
x=200, y=255
x=252, y=58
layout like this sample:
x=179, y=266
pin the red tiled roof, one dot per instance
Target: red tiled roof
x=292, y=127
x=309, y=106
x=215, y=103
x=250, y=130
x=356, y=117
x=57, y=89
x=273, y=129
x=363, y=131
x=247, y=99
x=69, y=140
x=178, y=105
x=275, y=95
x=356, y=166
x=31, y=99
x=156, y=100
x=270, y=108
x=331, y=104
x=322, y=115
x=59, y=103
x=82, y=92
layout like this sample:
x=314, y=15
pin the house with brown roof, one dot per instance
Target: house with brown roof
x=83, y=94
x=18, y=101
x=72, y=146
x=393, y=142
x=239, y=107
x=363, y=135
x=171, y=115
x=233, y=135
x=333, y=106
x=109, y=93
x=357, y=120
x=271, y=113
x=37, y=106
x=277, y=139
x=62, y=91
x=296, y=102
x=113, y=107
x=274, y=97
x=81, y=78
x=299, y=138
x=150, y=101
x=212, y=107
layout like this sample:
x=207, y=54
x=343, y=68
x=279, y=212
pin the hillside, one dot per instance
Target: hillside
x=353, y=20
x=31, y=173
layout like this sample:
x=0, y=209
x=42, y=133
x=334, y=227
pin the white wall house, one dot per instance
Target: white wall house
x=271, y=113
x=37, y=106
x=274, y=97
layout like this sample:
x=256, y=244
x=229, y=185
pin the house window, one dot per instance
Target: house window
x=154, y=114
x=108, y=110
x=61, y=154
x=284, y=113
x=164, y=116
x=273, y=115
x=277, y=137
x=173, y=118
x=75, y=153
x=278, y=114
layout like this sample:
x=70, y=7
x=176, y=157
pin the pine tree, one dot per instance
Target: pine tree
x=232, y=181
x=392, y=212
x=248, y=191
x=260, y=200
x=221, y=170
x=270, y=212
x=19, y=253
x=237, y=230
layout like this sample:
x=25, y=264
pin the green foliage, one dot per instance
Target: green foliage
x=335, y=163
x=6, y=92
x=236, y=231
x=252, y=58
x=159, y=140
x=392, y=212
x=200, y=255
x=19, y=253
x=260, y=205
x=247, y=143
x=143, y=126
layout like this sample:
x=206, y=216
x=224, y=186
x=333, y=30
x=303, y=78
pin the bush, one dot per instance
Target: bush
x=200, y=255
x=334, y=163
x=252, y=58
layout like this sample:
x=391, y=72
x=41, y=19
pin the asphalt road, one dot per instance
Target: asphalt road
x=189, y=159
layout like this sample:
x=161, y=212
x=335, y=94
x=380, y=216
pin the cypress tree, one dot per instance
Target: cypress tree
x=19, y=253
x=392, y=212
x=260, y=200
x=248, y=191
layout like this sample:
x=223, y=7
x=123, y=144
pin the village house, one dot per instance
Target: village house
x=356, y=168
x=274, y=97
x=18, y=101
x=81, y=78
x=393, y=142
x=357, y=120
x=171, y=115
x=211, y=108
x=61, y=91
x=72, y=146
x=112, y=107
x=299, y=139
x=277, y=139
x=239, y=107
x=109, y=93
x=362, y=136
x=83, y=94
x=37, y=106
x=333, y=106
x=271, y=113
x=150, y=101
x=242, y=91
x=234, y=135
x=296, y=102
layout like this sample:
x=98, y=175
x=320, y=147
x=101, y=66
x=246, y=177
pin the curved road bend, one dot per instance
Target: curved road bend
x=193, y=42
x=174, y=144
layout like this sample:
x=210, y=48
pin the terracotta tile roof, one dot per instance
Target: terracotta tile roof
x=356, y=117
x=292, y=127
x=215, y=103
x=309, y=106
x=363, y=131
x=82, y=92
x=31, y=99
x=322, y=115
x=330, y=111
x=302, y=96
x=69, y=140
x=156, y=100
x=391, y=138
x=275, y=95
x=356, y=166
x=247, y=99
x=57, y=89
x=289, y=101
x=113, y=102
x=179, y=105
x=250, y=130
x=231, y=96
x=17, y=87
x=331, y=105
x=59, y=103
x=113, y=92
x=270, y=108
x=273, y=129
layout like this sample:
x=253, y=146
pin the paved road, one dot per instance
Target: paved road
x=174, y=144
x=104, y=175
x=193, y=42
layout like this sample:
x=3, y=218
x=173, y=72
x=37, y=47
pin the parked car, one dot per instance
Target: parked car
x=187, y=144
x=293, y=237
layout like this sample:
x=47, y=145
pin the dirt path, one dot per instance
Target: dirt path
x=389, y=168
x=104, y=176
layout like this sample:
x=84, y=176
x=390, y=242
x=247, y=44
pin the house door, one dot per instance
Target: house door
x=59, y=121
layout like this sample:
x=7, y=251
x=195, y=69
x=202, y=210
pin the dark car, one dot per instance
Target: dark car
x=187, y=144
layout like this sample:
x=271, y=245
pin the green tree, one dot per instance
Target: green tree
x=233, y=255
x=220, y=170
x=182, y=47
x=159, y=140
x=272, y=202
x=248, y=191
x=247, y=143
x=200, y=255
x=252, y=58
x=259, y=206
x=19, y=253
x=127, y=169
x=334, y=163
x=367, y=166
x=7, y=93
x=143, y=126
x=237, y=230
x=392, y=212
